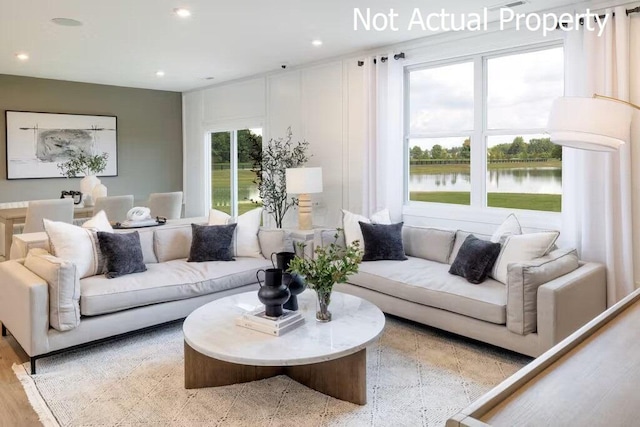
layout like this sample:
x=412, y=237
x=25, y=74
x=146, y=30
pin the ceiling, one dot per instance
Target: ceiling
x=125, y=42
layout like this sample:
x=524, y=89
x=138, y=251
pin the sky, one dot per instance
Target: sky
x=520, y=90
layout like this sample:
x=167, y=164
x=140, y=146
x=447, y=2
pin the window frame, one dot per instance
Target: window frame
x=479, y=135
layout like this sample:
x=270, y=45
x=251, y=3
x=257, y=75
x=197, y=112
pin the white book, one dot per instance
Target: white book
x=259, y=316
x=271, y=330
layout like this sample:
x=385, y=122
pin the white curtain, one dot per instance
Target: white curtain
x=383, y=180
x=598, y=190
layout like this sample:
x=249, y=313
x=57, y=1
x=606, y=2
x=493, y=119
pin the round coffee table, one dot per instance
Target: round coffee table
x=328, y=357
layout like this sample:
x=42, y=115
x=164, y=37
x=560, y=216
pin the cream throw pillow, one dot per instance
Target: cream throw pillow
x=245, y=237
x=79, y=245
x=351, y=227
x=510, y=227
x=99, y=222
x=522, y=248
x=64, y=287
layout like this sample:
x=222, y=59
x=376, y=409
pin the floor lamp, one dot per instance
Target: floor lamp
x=599, y=123
x=303, y=182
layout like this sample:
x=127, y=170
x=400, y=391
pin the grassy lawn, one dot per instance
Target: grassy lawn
x=538, y=202
x=452, y=168
x=221, y=194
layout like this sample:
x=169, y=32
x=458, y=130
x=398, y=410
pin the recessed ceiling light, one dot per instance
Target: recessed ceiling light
x=316, y=42
x=22, y=56
x=159, y=73
x=209, y=78
x=66, y=22
x=182, y=13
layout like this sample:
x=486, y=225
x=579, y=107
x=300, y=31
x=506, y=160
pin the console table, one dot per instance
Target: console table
x=589, y=379
x=11, y=216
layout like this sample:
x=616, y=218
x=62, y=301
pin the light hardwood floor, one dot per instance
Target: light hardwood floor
x=15, y=409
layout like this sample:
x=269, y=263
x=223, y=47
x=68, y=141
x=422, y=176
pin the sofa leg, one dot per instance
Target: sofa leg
x=4, y=330
x=33, y=365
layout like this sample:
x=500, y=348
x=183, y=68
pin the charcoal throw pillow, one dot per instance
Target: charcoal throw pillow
x=382, y=242
x=475, y=259
x=211, y=243
x=122, y=252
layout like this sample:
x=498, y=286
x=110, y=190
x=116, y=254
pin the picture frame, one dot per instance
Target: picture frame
x=37, y=142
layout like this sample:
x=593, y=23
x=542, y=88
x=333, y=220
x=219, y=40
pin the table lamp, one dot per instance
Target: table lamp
x=303, y=182
x=600, y=123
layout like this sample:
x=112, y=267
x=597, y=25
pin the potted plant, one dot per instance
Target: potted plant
x=272, y=161
x=331, y=264
x=80, y=163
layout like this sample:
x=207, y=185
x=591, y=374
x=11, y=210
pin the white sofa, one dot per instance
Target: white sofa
x=421, y=289
x=169, y=290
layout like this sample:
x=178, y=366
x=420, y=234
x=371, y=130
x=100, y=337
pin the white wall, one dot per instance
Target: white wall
x=316, y=102
x=325, y=104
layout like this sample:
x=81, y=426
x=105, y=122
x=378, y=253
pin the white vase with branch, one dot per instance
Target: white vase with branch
x=88, y=165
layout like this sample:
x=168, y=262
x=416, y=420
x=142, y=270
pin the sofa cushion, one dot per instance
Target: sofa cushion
x=122, y=253
x=429, y=243
x=211, y=243
x=525, y=278
x=63, y=280
x=166, y=281
x=146, y=243
x=475, y=259
x=172, y=242
x=429, y=283
x=522, y=248
x=382, y=242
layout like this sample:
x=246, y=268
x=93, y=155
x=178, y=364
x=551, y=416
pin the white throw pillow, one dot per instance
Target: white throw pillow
x=245, y=237
x=79, y=245
x=510, y=227
x=522, y=248
x=74, y=244
x=351, y=227
x=99, y=222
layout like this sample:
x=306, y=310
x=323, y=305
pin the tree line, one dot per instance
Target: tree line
x=536, y=148
x=249, y=147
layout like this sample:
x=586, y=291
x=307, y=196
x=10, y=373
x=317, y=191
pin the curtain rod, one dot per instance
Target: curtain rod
x=581, y=21
x=384, y=59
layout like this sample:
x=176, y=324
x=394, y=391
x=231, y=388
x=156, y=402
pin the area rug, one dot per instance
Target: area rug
x=417, y=376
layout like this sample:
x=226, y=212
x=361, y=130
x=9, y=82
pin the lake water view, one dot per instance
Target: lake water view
x=540, y=180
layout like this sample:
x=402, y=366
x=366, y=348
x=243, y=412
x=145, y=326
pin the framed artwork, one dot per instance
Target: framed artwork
x=38, y=142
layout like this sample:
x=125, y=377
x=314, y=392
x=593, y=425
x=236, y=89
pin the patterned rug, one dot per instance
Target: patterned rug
x=417, y=376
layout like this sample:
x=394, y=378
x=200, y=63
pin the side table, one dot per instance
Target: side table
x=303, y=236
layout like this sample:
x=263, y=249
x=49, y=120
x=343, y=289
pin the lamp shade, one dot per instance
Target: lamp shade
x=594, y=124
x=304, y=180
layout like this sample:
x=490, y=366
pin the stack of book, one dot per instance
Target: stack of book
x=259, y=321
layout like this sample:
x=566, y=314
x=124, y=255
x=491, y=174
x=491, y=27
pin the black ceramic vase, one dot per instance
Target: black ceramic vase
x=295, y=282
x=273, y=293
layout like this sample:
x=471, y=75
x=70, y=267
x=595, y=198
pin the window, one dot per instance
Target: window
x=502, y=121
x=233, y=157
x=440, y=127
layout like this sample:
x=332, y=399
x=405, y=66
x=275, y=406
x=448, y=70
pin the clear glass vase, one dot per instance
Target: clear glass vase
x=322, y=308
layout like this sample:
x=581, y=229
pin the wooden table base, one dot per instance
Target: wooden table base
x=344, y=378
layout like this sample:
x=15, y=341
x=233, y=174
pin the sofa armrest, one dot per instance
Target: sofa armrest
x=24, y=306
x=570, y=301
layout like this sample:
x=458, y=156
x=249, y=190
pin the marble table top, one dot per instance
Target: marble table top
x=211, y=330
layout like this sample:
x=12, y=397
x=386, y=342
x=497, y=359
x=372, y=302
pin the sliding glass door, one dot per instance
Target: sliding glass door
x=235, y=163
